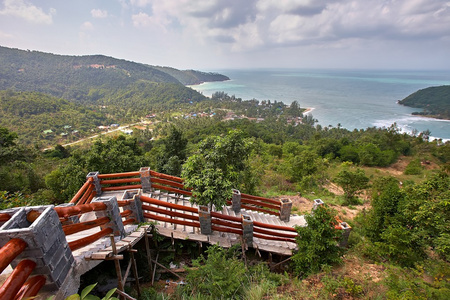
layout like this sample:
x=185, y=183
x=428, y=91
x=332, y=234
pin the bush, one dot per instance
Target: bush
x=413, y=168
x=220, y=274
x=317, y=242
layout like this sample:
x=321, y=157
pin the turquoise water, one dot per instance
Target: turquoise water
x=355, y=99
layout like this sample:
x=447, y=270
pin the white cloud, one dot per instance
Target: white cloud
x=259, y=24
x=27, y=11
x=87, y=26
x=143, y=20
x=99, y=14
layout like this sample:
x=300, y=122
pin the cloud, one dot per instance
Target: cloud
x=99, y=14
x=258, y=24
x=27, y=11
x=87, y=26
x=140, y=3
x=143, y=20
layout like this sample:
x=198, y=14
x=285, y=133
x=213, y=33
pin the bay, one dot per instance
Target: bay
x=352, y=98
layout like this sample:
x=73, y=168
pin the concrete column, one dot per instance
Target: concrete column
x=236, y=201
x=285, y=210
x=46, y=243
x=317, y=203
x=145, y=179
x=204, y=216
x=135, y=204
x=247, y=229
x=113, y=212
x=98, y=187
x=346, y=229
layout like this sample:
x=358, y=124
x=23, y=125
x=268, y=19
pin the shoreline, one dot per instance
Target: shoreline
x=308, y=110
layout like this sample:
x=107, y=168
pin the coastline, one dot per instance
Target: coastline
x=308, y=110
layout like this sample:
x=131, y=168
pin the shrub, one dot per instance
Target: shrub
x=317, y=242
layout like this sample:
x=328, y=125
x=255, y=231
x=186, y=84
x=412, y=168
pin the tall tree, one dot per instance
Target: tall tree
x=216, y=168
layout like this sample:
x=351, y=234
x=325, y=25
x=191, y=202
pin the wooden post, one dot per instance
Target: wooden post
x=135, y=272
x=147, y=248
x=117, y=264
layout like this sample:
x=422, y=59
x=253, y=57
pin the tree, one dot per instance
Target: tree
x=352, y=182
x=216, y=168
x=317, y=242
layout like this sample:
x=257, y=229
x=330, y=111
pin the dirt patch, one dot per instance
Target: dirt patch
x=300, y=204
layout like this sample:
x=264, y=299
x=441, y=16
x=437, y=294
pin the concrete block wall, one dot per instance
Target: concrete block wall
x=46, y=241
x=113, y=212
x=96, y=181
x=247, y=229
x=135, y=204
x=285, y=210
x=204, y=216
x=145, y=179
x=236, y=201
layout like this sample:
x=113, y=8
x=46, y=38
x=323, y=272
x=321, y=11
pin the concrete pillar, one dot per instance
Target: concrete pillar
x=346, y=229
x=98, y=187
x=46, y=243
x=204, y=216
x=285, y=210
x=135, y=204
x=317, y=203
x=145, y=179
x=236, y=201
x=113, y=212
x=247, y=229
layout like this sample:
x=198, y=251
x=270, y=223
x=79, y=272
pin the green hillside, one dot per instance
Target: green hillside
x=435, y=101
x=37, y=117
x=190, y=77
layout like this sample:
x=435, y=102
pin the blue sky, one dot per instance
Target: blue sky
x=221, y=34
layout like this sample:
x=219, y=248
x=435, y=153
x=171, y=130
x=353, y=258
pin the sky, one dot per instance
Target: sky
x=230, y=34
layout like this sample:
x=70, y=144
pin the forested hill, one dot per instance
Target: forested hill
x=435, y=101
x=190, y=77
x=89, y=79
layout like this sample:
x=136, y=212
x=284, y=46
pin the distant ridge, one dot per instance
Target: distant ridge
x=191, y=77
x=435, y=101
x=90, y=78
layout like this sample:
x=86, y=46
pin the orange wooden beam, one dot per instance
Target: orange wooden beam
x=10, y=251
x=16, y=279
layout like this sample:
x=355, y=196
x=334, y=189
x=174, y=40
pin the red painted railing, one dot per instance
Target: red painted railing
x=10, y=251
x=31, y=287
x=74, y=245
x=4, y=217
x=16, y=279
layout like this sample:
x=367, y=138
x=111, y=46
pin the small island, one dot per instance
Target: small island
x=435, y=102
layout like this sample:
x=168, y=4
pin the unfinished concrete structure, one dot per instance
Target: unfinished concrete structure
x=51, y=247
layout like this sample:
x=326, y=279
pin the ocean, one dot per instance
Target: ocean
x=352, y=98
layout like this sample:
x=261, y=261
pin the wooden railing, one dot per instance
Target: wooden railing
x=163, y=211
x=16, y=285
x=164, y=182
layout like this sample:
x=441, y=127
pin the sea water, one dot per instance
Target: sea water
x=351, y=98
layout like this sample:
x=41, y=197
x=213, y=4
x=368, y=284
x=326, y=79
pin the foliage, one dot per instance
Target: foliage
x=352, y=182
x=434, y=100
x=317, y=242
x=414, y=168
x=222, y=275
x=216, y=168
x=86, y=296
